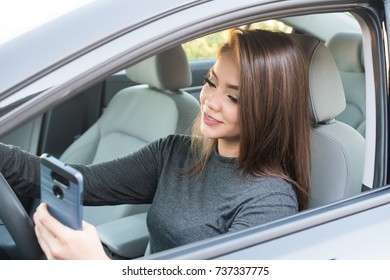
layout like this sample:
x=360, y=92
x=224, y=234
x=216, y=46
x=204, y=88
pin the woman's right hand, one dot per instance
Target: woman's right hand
x=61, y=242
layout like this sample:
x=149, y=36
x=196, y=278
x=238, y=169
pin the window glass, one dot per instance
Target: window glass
x=206, y=47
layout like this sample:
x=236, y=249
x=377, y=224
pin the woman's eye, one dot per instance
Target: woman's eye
x=233, y=98
x=209, y=82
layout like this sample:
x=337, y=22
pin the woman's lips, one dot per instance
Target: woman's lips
x=210, y=121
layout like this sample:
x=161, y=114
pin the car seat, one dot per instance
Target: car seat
x=346, y=49
x=136, y=116
x=337, y=149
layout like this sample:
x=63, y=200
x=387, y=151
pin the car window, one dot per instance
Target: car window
x=206, y=47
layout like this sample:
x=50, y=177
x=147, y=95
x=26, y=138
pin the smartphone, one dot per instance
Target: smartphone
x=62, y=191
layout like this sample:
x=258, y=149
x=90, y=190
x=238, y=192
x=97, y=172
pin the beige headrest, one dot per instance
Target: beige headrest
x=327, y=97
x=347, y=48
x=167, y=70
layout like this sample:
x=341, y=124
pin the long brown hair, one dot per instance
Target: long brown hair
x=273, y=110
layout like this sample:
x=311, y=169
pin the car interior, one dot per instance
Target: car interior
x=163, y=92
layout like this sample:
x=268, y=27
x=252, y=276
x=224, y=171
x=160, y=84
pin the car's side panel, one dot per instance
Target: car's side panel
x=345, y=238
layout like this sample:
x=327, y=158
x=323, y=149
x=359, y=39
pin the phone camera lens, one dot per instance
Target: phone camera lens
x=58, y=192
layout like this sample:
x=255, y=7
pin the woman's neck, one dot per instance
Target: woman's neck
x=228, y=148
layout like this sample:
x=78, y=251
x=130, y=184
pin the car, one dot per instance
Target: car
x=65, y=83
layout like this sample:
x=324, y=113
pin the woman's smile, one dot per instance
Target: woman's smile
x=210, y=121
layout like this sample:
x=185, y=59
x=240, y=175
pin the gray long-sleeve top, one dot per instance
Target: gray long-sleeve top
x=184, y=209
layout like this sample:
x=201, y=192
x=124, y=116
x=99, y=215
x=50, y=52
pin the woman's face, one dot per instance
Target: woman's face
x=219, y=101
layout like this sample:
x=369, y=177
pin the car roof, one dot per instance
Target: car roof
x=72, y=34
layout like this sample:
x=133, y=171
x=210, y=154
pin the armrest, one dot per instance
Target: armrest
x=126, y=237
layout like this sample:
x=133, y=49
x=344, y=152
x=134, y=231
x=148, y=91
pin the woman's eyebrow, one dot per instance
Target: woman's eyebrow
x=228, y=85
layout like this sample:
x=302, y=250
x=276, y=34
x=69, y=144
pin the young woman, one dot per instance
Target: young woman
x=247, y=162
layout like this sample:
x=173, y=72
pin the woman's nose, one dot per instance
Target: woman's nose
x=213, y=101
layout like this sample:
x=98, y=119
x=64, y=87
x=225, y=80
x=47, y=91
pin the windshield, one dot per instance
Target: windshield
x=20, y=16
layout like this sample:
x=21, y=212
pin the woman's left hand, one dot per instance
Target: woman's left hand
x=61, y=242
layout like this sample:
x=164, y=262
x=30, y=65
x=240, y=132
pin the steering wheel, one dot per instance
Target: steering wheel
x=18, y=223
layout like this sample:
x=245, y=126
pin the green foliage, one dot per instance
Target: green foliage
x=205, y=47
